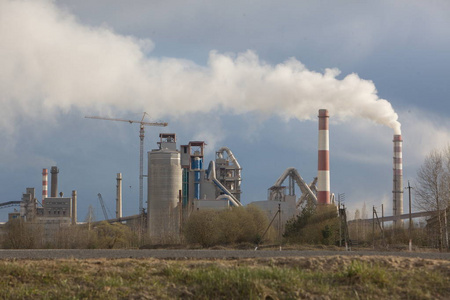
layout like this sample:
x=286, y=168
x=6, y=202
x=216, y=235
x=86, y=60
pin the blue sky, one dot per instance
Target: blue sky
x=249, y=75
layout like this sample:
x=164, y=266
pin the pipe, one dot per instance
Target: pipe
x=323, y=171
x=44, y=184
x=230, y=156
x=119, y=196
x=54, y=185
x=196, y=167
x=397, y=190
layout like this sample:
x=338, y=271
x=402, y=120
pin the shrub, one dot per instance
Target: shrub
x=202, y=228
x=314, y=225
x=236, y=225
x=21, y=235
x=114, y=235
x=103, y=236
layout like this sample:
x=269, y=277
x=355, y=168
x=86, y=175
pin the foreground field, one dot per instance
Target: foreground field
x=332, y=277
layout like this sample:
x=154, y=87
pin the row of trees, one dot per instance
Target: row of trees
x=433, y=192
x=25, y=235
x=205, y=227
x=239, y=225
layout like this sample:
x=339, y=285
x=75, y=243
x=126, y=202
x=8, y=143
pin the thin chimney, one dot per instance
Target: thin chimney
x=323, y=174
x=397, y=191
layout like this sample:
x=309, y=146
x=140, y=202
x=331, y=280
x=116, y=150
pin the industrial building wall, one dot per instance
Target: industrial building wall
x=288, y=209
x=57, y=207
x=211, y=204
x=208, y=189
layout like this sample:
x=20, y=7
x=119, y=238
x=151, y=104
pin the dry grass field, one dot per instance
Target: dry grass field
x=335, y=277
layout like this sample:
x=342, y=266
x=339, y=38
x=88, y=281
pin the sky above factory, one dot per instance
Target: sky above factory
x=249, y=75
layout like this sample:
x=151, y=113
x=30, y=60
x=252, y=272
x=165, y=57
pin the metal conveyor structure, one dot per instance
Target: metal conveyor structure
x=277, y=190
x=10, y=203
x=228, y=172
x=211, y=175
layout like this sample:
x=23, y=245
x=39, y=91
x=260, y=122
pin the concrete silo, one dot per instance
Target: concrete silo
x=164, y=189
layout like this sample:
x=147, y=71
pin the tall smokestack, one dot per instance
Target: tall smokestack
x=74, y=207
x=323, y=174
x=44, y=184
x=54, y=184
x=119, y=196
x=398, y=179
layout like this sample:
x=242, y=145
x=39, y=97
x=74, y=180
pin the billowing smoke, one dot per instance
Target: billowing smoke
x=50, y=62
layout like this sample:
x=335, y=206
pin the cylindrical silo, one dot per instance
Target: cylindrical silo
x=323, y=173
x=164, y=184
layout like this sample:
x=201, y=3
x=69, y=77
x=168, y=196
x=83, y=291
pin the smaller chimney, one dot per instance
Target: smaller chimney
x=119, y=196
x=54, y=184
x=74, y=207
x=44, y=184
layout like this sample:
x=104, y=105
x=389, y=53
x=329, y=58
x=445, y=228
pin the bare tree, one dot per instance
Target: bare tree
x=433, y=183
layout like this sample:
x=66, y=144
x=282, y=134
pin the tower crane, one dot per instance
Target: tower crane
x=141, y=152
x=100, y=198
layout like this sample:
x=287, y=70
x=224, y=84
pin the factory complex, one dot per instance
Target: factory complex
x=180, y=182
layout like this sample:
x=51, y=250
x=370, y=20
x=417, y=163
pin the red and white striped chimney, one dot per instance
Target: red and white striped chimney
x=397, y=190
x=44, y=184
x=323, y=174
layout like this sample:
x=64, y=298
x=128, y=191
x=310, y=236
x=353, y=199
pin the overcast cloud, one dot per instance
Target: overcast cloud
x=65, y=59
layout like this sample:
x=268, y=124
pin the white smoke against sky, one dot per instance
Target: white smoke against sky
x=50, y=62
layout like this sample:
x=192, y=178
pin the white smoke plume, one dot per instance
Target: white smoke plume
x=51, y=62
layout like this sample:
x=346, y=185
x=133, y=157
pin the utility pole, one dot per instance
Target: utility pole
x=375, y=215
x=279, y=223
x=373, y=226
x=340, y=222
x=341, y=198
x=278, y=213
x=410, y=217
x=346, y=234
x=382, y=221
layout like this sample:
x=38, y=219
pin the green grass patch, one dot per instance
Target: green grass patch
x=288, y=278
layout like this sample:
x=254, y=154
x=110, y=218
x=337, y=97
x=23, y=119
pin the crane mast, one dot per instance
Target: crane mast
x=100, y=198
x=141, y=149
x=141, y=169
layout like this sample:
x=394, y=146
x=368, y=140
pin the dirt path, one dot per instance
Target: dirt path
x=206, y=254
